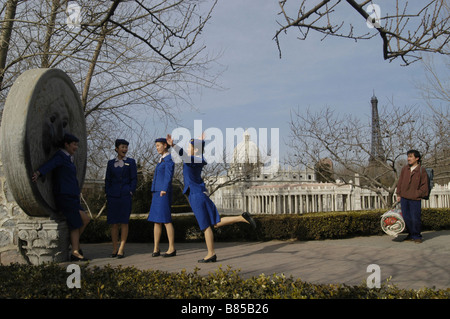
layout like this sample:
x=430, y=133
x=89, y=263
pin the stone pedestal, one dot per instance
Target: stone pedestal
x=43, y=240
x=42, y=105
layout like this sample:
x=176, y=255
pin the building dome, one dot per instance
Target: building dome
x=246, y=152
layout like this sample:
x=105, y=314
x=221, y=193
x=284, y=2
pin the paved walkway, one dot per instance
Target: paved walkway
x=410, y=265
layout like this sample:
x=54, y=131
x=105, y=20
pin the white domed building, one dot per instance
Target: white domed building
x=251, y=185
x=246, y=157
x=248, y=171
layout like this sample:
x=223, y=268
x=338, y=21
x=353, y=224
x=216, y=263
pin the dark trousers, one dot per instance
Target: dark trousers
x=411, y=211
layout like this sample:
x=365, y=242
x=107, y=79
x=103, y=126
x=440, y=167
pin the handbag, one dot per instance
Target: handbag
x=392, y=222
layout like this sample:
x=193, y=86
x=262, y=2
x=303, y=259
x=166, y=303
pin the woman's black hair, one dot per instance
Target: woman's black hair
x=121, y=141
x=68, y=138
x=163, y=140
x=416, y=155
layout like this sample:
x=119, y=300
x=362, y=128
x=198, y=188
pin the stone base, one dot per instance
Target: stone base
x=11, y=255
x=43, y=240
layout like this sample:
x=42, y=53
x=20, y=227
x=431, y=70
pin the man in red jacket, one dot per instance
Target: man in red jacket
x=412, y=186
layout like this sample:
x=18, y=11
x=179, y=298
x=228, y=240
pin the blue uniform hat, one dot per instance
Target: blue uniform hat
x=196, y=142
x=121, y=141
x=69, y=138
x=162, y=140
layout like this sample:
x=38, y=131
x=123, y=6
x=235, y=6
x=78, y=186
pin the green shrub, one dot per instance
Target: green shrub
x=49, y=281
x=312, y=226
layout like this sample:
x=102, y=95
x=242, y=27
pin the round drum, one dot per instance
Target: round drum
x=42, y=105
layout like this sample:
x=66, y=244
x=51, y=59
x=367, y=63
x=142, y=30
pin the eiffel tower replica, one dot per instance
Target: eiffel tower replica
x=377, y=161
x=376, y=150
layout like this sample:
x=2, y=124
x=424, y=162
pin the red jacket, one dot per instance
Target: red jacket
x=413, y=185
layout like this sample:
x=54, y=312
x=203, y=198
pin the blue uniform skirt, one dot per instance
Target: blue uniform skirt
x=119, y=209
x=160, y=208
x=70, y=206
x=204, y=210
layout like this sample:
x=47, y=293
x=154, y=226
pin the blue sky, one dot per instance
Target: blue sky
x=260, y=89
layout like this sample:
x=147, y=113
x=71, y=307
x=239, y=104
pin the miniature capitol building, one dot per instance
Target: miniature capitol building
x=259, y=190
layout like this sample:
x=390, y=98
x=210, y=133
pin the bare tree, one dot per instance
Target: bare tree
x=405, y=31
x=435, y=92
x=7, y=26
x=128, y=59
x=346, y=141
x=219, y=175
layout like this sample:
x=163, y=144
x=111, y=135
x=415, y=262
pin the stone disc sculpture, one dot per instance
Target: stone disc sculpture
x=41, y=106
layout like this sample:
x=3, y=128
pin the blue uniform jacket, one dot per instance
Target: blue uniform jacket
x=162, y=178
x=65, y=180
x=117, y=185
x=192, y=172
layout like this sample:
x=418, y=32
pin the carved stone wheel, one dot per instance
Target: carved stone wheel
x=42, y=105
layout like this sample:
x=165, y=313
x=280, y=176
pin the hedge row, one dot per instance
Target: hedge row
x=310, y=226
x=50, y=281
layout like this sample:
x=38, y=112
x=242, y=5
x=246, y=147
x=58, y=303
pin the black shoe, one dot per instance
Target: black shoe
x=408, y=238
x=209, y=260
x=121, y=256
x=114, y=255
x=249, y=218
x=75, y=258
x=156, y=254
x=172, y=254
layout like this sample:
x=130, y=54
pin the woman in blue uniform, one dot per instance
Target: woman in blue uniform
x=204, y=209
x=66, y=190
x=120, y=185
x=162, y=198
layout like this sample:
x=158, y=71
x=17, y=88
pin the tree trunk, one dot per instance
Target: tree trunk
x=50, y=30
x=5, y=36
x=87, y=83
